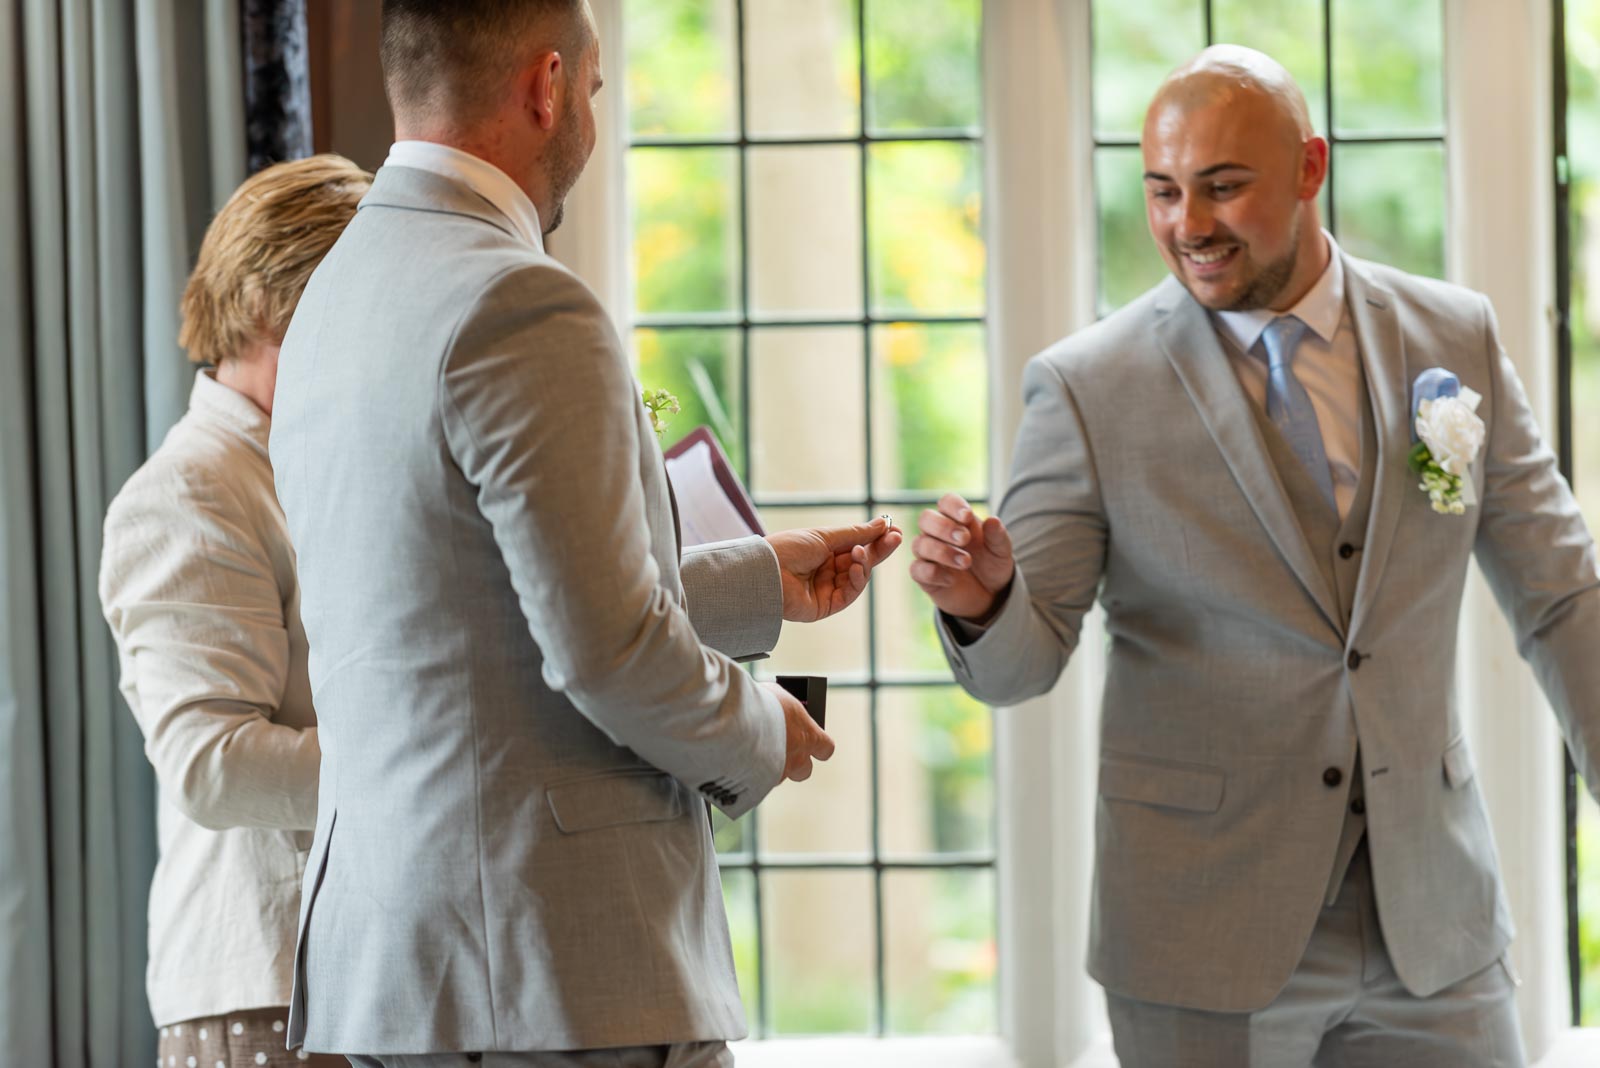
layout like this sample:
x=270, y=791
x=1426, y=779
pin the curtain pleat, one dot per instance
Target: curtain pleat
x=122, y=156
x=26, y=975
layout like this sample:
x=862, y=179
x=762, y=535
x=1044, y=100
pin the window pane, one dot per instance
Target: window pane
x=1136, y=45
x=908, y=645
x=681, y=68
x=836, y=647
x=923, y=63
x=930, y=422
x=803, y=68
x=1290, y=31
x=739, y=898
x=925, y=213
x=685, y=229
x=702, y=368
x=820, y=937
x=805, y=232
x=831, y=812
x=1129, y=263
x=1388, y=66
x=936, y=788
x=1390, y=204
x=1583, y=145
x=732, y=837
x=940, y=945
x=795, y=372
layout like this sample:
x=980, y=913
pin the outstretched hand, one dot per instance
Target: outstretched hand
x=964, y=565
x=824, y=569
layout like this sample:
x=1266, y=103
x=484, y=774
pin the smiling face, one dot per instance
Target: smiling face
x=1231, y=181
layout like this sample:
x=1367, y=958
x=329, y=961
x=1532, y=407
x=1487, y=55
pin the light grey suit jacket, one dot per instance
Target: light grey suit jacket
x=518, y=715
x=1234, y=683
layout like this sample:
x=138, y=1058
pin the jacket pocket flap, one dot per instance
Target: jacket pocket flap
x=613, y=800
x=1457, y=763
x=1193, y=787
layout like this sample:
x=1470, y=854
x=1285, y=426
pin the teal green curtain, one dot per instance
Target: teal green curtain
x=121, y=132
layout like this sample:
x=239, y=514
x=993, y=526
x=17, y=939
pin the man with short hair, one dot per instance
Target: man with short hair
x=1293, y=863
x=526, y=692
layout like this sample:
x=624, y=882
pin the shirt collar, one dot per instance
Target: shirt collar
x=1320, y=309
x=479, y=175
x=230, y=408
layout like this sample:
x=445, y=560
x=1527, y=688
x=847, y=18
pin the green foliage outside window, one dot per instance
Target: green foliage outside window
x=1583, y=145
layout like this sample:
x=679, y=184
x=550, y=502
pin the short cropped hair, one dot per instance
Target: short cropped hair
x=447, y=58
x=260, y=250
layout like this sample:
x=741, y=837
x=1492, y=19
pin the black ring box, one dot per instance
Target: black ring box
x=811, y=691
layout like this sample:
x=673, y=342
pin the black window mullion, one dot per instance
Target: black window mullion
x=1564, y=455
x=879, y=972
x=763, y=1023
x=745, y=321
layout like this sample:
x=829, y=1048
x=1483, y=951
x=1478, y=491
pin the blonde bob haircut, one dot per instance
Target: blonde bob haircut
x=260, y=250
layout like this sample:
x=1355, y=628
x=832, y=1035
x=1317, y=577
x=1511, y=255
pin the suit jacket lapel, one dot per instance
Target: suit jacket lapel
x=1189, y=340
x=1383, y=356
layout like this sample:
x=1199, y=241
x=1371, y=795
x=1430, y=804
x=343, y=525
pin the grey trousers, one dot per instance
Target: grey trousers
x=683, y=1055
x=1344, y=1007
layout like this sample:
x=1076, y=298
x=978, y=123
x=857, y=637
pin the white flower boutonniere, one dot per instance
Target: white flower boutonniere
x=657, y=401
x=1448, y=436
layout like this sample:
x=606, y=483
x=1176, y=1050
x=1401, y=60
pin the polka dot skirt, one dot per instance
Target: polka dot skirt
x=237, y=1040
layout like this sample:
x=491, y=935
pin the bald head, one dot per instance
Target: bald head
x=1234, y=76
x=1232, y=173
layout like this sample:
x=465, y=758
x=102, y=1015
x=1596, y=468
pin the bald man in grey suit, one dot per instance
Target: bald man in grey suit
x=526, y=693
x=1293, y=862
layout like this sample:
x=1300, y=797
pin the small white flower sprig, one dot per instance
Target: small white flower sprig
x=1449, y=435
x=657, y=401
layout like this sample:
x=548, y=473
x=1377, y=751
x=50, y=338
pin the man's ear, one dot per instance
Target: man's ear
x=1313, y=167
x=542, y=84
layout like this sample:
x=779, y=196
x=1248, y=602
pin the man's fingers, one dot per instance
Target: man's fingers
x=956, y=507
x=931, y=576
x=938, y=525
x=996, y=538
x=799, y=770
x=938, y=552
x=842, y=539
x=884, y=547
x=822, y=748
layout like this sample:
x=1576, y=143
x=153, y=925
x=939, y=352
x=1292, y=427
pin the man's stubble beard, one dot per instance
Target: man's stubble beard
x=567, y=160
x=1270, y=282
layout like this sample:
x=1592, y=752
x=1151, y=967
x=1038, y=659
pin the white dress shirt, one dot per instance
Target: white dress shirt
x=482, y=177
x=197, y=580
x=1327, y=362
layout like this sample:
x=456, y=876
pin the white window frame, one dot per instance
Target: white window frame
x=1041, y=235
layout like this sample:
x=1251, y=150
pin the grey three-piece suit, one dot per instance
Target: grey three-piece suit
x=1256, y=642
x=520, y=724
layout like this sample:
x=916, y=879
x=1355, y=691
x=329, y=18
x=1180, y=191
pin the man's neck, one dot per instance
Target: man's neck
x=1306, y=275
x=253, y=374
x=486, y=145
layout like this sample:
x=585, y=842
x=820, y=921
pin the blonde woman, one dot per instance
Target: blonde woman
x=197, y=581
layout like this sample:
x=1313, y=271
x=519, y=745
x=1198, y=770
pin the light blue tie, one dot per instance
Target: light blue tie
x=1289, y=405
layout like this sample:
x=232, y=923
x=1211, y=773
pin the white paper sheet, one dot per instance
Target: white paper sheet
x=704, y=510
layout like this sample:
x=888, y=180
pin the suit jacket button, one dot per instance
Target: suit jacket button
x=1346, y=551
x=1359, y=807
x=1353, y=661
x=1333, y=776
